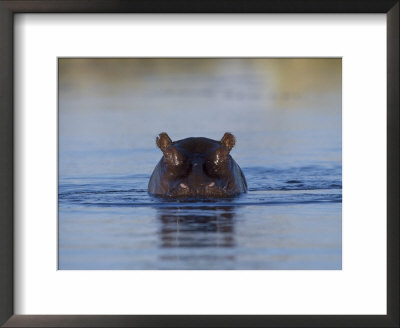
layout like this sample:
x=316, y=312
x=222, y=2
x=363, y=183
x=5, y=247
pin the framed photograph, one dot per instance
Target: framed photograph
x=199, y=164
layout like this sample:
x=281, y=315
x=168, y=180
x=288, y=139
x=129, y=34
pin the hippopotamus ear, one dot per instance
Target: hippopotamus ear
x=228, y=140
x=163, y=141
x=171, y=154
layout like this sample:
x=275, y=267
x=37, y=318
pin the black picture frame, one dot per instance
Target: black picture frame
x=10, y=7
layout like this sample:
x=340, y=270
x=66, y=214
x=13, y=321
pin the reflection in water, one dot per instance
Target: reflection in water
x=197, y=227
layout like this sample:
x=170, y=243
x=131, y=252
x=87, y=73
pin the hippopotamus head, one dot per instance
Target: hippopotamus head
x=196, y=168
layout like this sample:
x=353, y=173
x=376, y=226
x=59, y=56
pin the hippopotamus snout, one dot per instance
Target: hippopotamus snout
x=198, y=192
x=196, y=167
x=197, y=187
x=197, y=184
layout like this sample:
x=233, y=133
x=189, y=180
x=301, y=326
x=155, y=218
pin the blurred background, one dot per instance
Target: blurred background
x=286, y=116
x=282, y=111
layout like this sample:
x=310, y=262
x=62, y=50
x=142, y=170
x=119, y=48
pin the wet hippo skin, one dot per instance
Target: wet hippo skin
x=197, y=168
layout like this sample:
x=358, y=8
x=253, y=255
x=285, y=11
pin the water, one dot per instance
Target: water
x=288, y=132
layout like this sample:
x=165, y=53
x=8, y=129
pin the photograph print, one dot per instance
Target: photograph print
x=199, y=163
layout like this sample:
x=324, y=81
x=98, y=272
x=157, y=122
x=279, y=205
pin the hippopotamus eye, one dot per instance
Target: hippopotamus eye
x=215, y=163
x=173, y=157
x=218, y=157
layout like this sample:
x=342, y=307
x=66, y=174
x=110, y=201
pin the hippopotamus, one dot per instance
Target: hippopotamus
x=196, y=168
